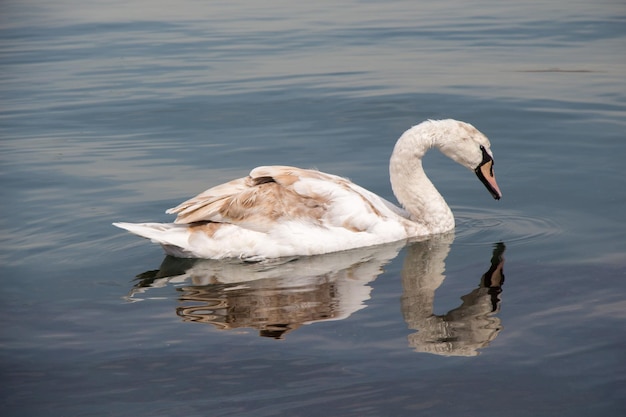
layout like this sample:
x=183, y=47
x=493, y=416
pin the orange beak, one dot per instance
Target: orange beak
x=486, y=176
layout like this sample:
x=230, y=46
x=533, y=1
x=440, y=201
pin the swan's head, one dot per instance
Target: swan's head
x=463, y=143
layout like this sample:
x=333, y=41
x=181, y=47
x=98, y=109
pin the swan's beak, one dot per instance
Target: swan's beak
x=486, y=176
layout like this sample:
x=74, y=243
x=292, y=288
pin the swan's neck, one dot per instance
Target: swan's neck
x=415, y=192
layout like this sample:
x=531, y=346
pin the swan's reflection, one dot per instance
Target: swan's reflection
x=274, y=297
x=463, y=330
x=280, y=296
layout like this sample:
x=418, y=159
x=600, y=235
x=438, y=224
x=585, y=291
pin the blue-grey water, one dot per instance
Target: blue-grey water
x=117, y=110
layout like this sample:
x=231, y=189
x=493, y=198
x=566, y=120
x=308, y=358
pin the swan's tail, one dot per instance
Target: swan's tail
x=171, y=236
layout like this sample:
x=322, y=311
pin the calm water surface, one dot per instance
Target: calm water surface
x=115, y=111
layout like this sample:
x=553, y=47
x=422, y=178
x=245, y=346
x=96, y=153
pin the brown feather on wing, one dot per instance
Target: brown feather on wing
x=255, y=201
x=204, y=206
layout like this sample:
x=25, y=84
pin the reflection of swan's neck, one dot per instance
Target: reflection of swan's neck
x=422, y=274
x=463, y=330
x=409, y=182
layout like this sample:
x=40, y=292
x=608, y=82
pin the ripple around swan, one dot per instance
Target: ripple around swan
x=480, y=226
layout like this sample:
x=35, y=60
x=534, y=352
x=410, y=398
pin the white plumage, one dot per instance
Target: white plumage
x=281, y=211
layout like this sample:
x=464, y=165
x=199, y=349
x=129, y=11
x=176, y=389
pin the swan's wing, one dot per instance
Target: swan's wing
x=206, y=205
x=273, y=194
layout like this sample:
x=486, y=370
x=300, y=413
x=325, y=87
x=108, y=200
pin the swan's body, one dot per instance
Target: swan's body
x=285, y=211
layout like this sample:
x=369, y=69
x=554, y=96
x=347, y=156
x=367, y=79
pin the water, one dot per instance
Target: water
x=118, y=110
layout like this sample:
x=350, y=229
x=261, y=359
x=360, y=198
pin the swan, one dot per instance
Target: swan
x=282, y=211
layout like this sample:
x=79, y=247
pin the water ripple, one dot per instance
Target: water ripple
x=479, y=226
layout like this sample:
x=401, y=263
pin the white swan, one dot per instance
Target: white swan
x=281, y=211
